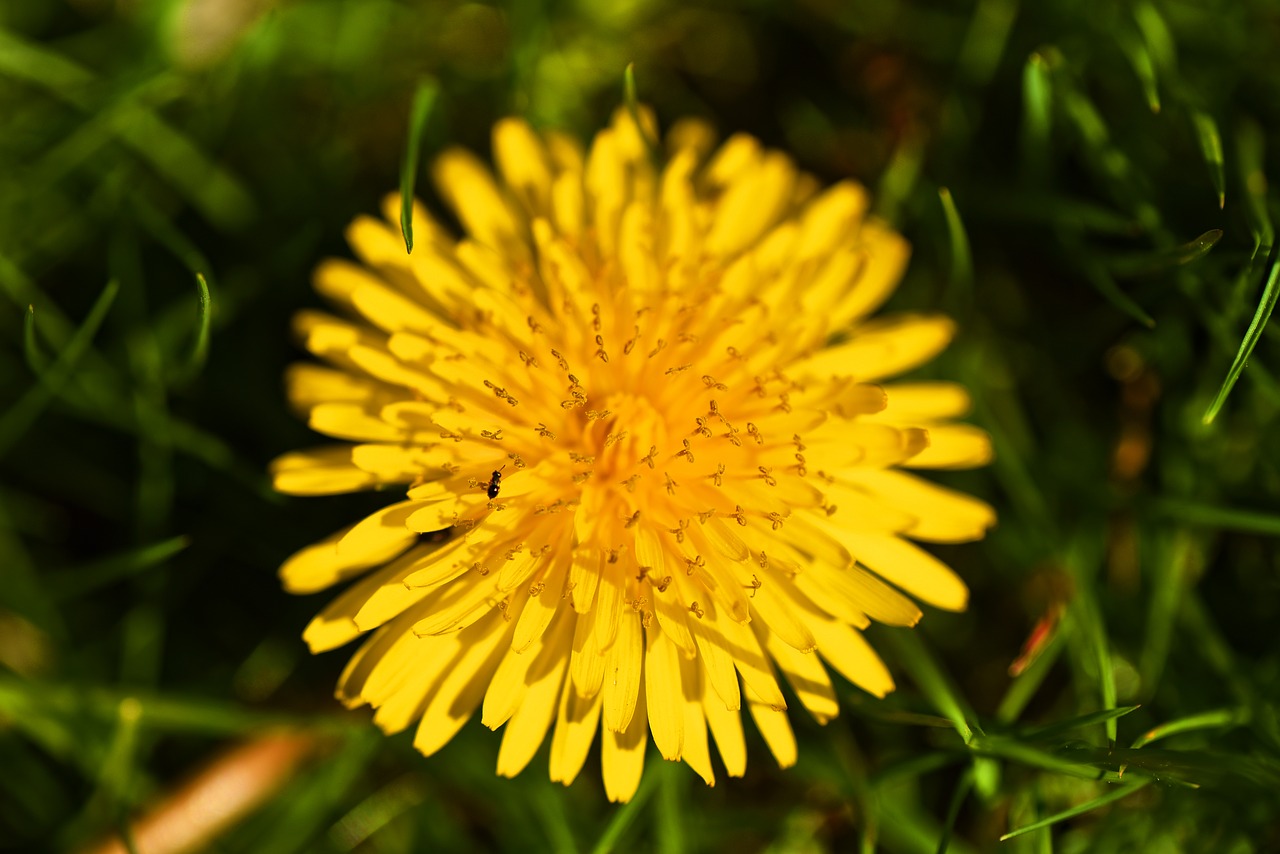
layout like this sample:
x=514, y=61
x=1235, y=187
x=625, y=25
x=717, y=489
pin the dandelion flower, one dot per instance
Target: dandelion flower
x=649, y=461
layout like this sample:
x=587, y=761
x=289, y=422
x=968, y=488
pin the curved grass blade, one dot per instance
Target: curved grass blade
x=963, y=787
x=35, y=359
x=90, y=577
x=1104, y=284
x=200, y=345
x=1250, y=145
x=1061, y=728
x=626, y=815
x=632, y=101
x=1155, y=262
x=1140, y=58
x=1217, y=719
x=1211, y=147
x=961, y=256
x=932, y=682
x=423, y=101
x=1090, y=806
x=1037, y=115
x=1251, y=338
x=22, y=414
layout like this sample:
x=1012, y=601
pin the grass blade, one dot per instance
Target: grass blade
x=1211, y=148
x=1219, y=718
x=22, y=414
x=1104, y=284
x=88, y=578
x=929, y=678
x=961, y=256
x=1090, y=806
x=632, y=101
x=1061, y=728
x=626, y=815
x=1037, y=116
x=1251, y=338
x=423, y=101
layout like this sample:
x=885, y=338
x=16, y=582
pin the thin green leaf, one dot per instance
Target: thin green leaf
x=962, y=789
x=1090, y=806
x=90, y=577
x=1025, y=684
x=1146, y=264
x=54, y=703
x=1217, y=719
x=1140, y=59
x=669, y=812
x=1061, y=728
x=219, y=196
x=1037, y=114
x=961, y=257
x=632, y=100
x=15, y=422
x=1211, y=149
x=899, y=178
x=932, y=682
x=1033, y=757
x=1083, y=621
x=626, y=816
x=35, y=359
x=1250, y=145
x=1251, y=338
x=1171, y=559
x=424, y=100
x=1103, y=283
x=204, y=314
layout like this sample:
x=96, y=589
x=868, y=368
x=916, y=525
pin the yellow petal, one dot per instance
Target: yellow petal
x=696, y=751
x=320, y=471
x=925, y=402
x=775, y=728
x=469, y=189
x=840, y=589
x=587, y=664
x=664, y=694
x=622, y=756
x=481, y=647
x=722, y=679
x=622, y=672
x=807, y=677
x=381, y=531
x=528, y=726
x=831, y=219
x=752, y=664
x=911, y=568
x=953, y=446
x=336, y=625
x=850, y=654
x=319, y=566
x=942, y=515
x=884, y=259
x=882, y=348
x=538, y=611
x=771, y=605
x=523, y=162
x=576, y=725
x=751, y=204
x=583, y=577
x=726, y=728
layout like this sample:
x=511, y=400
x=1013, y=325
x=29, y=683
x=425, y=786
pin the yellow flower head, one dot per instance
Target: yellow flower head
x=648, y=466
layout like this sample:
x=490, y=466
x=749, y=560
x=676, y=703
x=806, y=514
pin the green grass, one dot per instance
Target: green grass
x=1086, y=189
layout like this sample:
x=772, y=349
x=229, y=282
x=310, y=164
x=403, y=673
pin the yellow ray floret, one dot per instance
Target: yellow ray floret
x=648, y=459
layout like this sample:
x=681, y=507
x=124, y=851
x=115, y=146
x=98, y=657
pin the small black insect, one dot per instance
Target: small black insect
x=495, y=483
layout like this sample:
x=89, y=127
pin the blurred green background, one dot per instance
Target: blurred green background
x=1105, y=238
